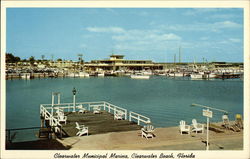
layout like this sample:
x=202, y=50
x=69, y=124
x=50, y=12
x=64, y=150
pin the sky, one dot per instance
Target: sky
x=213, y=34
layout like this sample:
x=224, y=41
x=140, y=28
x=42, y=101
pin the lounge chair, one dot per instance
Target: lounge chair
x=96, y=110
x=227, y=124
x=197, y=126
x=238, y=121
x=118, y=115
x=184, y=127
x=62, y=118
x=81, y=130
x=81, y=109
x=147, y=132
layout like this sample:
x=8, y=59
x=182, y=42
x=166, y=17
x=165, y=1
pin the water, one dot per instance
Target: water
x=165, y=100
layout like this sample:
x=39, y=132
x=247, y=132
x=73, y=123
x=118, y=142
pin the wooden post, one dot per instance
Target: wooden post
x=129, y=116
x=109, y=108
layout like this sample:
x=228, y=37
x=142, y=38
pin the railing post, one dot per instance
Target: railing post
x=129, y=116
x=109, y=108
x=138, y=120
x=126, y=114
x=104, y=105
x=114, y=110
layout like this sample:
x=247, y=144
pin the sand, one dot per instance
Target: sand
x=165, y=139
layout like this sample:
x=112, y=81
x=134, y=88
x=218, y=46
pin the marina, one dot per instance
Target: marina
x=159, y=103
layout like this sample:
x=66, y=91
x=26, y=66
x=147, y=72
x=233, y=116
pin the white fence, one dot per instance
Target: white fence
x=139, y=118
x=46, y=110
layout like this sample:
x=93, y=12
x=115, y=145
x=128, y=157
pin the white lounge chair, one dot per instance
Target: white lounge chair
x=81, y=109
x=96, y=110
x=184, y=127
x=81, y=130
x=118, y=115
x=62, y=118
x=146, y=134
x=197, y=126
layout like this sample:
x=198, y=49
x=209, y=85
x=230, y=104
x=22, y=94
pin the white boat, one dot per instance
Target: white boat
x=25, y=76
x=101, y=74
x=196, y=76
x=83, y=74
x=72, y=75
x=139, y=77
x=212, y=75
x=177, y=74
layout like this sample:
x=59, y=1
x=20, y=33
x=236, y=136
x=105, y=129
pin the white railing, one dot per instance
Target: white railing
x=46, y=110
x=53, y=122
x=139, y=118
x=114, y=109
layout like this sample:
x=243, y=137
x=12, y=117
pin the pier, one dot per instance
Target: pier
x=84, y=113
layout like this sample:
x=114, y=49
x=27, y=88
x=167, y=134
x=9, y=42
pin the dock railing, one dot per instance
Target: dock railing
x=47, y=110
x=111, y=108
x=139, y=118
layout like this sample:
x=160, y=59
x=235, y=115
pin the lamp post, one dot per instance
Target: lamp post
x=74, y=99
x=208, y=114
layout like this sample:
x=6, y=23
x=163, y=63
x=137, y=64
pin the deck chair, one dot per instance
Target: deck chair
x=118, y=115
x=238, y=121
x=227, y=125
x=197, y=126
x=62, y=118
x=146, y=134
x=96, y=110
x=81, y=130
x=81, y=109
x=183, y=127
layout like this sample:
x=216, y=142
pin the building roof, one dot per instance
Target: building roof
x=116, y=55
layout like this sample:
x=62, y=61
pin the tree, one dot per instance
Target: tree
x=59, y=59
x=32, y=60
x=10, y=58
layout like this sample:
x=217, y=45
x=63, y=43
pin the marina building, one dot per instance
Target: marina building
x=117, y=62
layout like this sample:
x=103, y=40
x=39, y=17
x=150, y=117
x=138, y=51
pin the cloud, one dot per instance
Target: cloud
x=235, y=40
x=105, y=29
x=198, y=11
x=222, y=16
x=145, y=35
x=214, y=27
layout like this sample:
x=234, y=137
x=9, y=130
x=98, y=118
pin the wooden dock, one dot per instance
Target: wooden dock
x=96, y=123
x=105, y=121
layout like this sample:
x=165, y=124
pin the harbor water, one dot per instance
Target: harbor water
x=164, y=100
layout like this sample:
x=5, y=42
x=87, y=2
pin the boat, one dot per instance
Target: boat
x=139, y=76
x=25, y=76
x=196, y=76
x=83, y=74
x=176, y=74
x=100, y=74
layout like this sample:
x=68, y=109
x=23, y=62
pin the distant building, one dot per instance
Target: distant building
x=116, y=62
